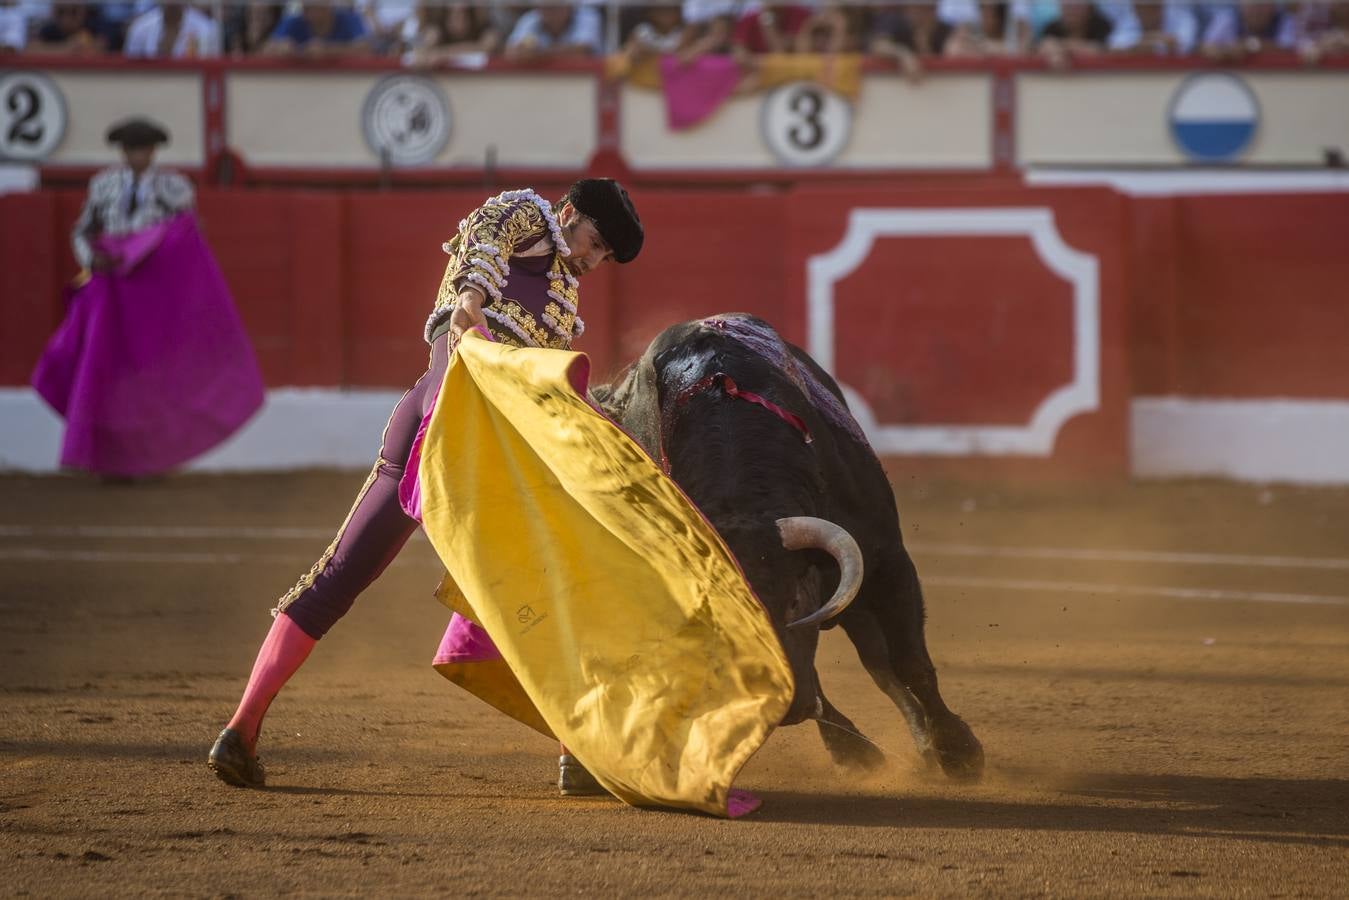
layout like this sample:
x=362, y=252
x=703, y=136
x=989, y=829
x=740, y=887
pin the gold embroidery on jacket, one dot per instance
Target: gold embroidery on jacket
x=479, y=255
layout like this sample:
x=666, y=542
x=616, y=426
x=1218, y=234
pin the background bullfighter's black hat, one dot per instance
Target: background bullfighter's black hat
x=137, y=132
x=605, y=202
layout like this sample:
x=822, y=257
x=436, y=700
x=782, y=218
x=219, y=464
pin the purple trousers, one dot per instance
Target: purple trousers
x=376, y=528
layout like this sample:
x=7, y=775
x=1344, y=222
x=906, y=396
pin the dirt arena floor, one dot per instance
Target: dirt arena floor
x=1159, y=674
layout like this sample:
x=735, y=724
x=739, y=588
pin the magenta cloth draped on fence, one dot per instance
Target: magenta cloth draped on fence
x=696, y=89
x=151, y=366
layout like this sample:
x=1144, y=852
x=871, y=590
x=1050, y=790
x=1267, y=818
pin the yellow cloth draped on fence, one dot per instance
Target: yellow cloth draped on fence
x=628, y=624
x=841, y=72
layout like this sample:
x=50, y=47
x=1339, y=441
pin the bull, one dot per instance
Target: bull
x=760, y=438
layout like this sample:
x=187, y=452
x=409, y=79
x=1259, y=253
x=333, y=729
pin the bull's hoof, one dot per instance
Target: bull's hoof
x=958, y=751
x=969, y=768
x=852, y=751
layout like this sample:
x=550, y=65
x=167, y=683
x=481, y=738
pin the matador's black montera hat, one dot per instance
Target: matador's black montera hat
x=607, y=204
x=137, y=132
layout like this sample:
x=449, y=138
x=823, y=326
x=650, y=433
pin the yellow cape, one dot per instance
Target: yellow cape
x=632, y=632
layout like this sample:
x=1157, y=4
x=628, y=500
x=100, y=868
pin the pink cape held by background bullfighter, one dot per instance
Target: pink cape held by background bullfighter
x=151, y=366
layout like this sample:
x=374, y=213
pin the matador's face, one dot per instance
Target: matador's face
x=588, y=249
x=139, y=158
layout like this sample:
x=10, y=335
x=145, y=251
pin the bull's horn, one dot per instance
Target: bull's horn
x=809, y=533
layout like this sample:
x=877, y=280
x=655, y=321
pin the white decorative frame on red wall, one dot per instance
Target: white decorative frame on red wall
x=1036, y=437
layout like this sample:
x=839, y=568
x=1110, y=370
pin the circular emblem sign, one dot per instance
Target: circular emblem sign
x=805, y=124
x=408, y=118
x=1213, y=117
x=32, y=116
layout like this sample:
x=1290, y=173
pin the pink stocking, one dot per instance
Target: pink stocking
x=280, y=657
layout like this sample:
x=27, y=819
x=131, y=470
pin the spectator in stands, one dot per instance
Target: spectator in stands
x=172, y=30
x=1165, y=28
x=710, y=26
x=770, y=29
x=964, y=16
x=909, y=33
x=958, y=12
x=1125, y=28
x=556, y=31
x=660, y=32
x=983, y=35
x=118, y=14
x=248, y=26
x=13, y=27
x=73, y=28
x=1323, y=30
x=1235, y=31
x=505, y=15
x=1081, y=29
x=38, y=11
x=793, y=28
x=391, y=24
x=456, y=31
x=1029, y=18
x=319, y=30
x=830, y=29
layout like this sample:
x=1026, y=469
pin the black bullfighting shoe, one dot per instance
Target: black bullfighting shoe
x=233, y=764
x=574, y=781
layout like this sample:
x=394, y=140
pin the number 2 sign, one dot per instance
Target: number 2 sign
x=32, y=116
x=805, y=124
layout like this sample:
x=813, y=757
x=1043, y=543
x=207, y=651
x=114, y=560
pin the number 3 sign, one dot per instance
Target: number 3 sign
x=805, y=124
x=32, y=116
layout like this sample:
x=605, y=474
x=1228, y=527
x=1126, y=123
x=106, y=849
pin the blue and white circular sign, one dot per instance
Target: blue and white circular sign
x=1213, y=117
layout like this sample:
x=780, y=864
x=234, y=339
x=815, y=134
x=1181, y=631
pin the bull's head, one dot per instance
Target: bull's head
x=735, y=432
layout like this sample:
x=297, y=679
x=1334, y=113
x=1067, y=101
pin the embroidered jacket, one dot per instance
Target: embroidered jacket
x=512, y=249
x=158, y=194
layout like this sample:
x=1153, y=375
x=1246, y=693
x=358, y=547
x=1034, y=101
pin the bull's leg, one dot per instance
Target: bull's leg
x=957, y=749
x=900, y=655
x=869, y=641
x=848, y=746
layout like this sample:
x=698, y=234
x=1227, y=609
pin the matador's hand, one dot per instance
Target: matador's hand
x=467, y=314
x=103, y=262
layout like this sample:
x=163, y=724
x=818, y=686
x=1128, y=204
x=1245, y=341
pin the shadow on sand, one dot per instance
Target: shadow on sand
x=1312, y=812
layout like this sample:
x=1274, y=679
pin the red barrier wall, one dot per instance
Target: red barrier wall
x=32, y=261
x=1200, y=296
x=974, y=330
x=1240, y=296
